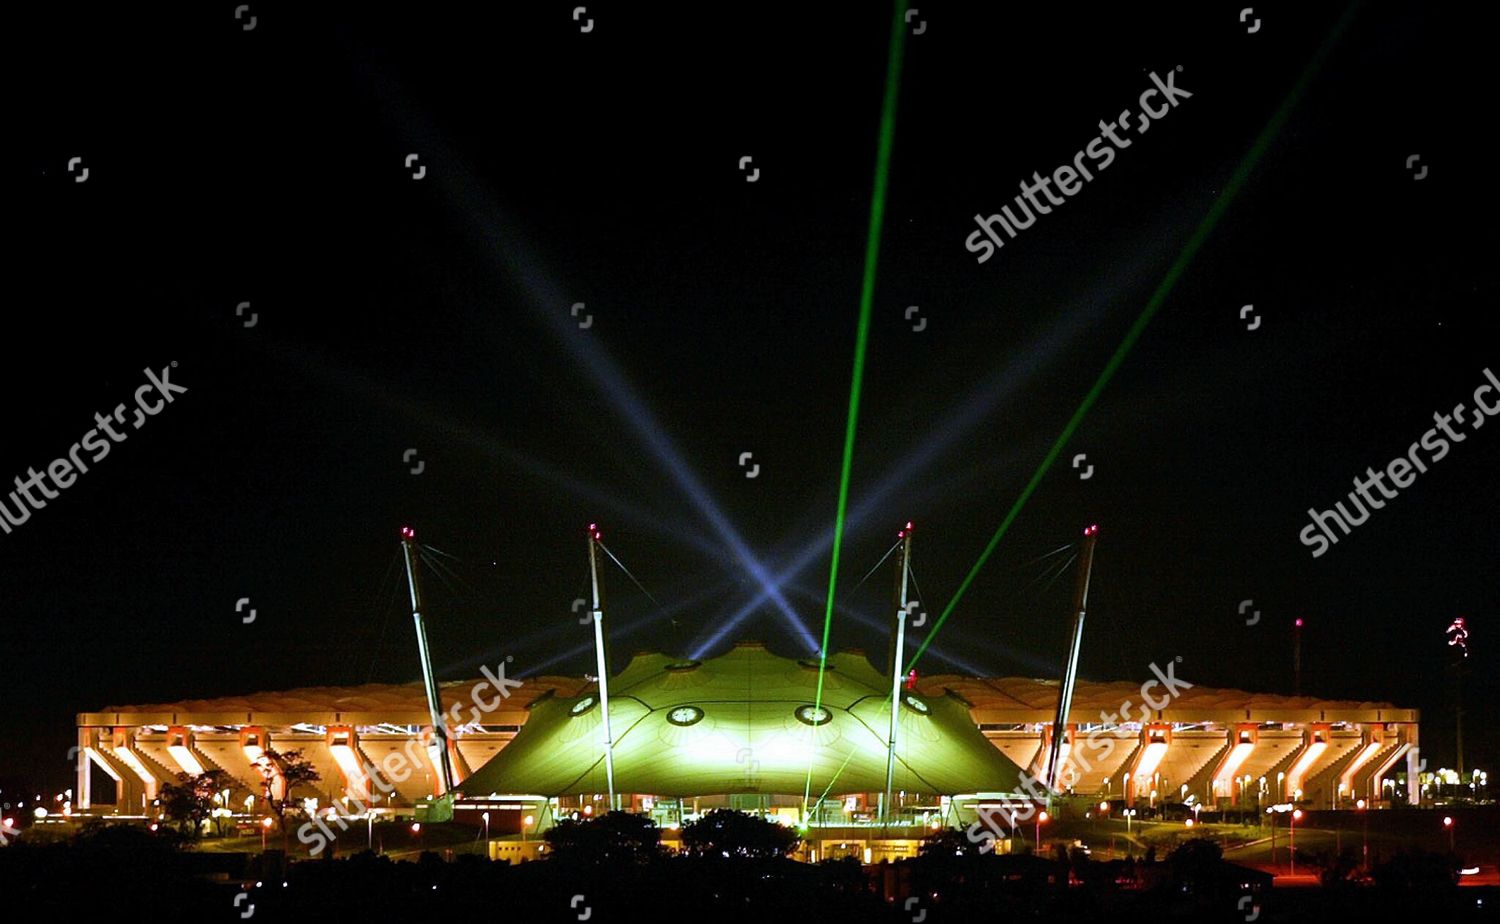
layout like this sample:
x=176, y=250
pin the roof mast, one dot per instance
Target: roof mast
x=898, y=658
x=1070, y=667
x=602, y=660
x=434, y=699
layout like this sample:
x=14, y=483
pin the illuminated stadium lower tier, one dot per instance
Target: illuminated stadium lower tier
x=742, y=730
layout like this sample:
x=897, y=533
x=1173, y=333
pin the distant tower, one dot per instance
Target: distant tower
x=1458, y=640
x=1297, y=657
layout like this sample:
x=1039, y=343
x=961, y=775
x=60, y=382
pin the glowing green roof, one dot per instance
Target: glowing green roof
x=739, y=723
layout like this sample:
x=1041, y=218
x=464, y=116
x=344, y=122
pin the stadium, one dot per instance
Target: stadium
x=749, y=730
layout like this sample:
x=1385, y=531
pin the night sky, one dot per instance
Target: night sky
x=559, y=166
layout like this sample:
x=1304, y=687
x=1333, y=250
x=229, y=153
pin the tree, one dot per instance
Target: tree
x=294, y=770
x=1195, y=863
x=190, y=801
x=1339, y=870
x=950, y=842
x=1418, y=871
x=614, y=838
x=728, y=833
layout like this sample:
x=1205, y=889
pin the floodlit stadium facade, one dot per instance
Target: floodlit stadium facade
x=741, y=730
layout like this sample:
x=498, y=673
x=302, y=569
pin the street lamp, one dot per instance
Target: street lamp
x=1281, y=787
x=265, y=825
x=1129, y=814
x=1364, y=852
x=1448, y=823
x=486, y=817
x=1107, y=790
x=525, y=823
x=1041, y=817
x=1292, y=849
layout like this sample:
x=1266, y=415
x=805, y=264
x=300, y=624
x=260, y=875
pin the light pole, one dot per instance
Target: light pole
x=1129, y=814
x=1041, y=817
x=486, y=817
x=265, y=825
x=1364, y=853
x=1106, y=788
x=1292, y=848
x=1448, y=823
x=525, y=823
x=1281, y=787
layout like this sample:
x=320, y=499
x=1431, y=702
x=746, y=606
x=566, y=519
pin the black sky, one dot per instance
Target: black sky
x=266, y=166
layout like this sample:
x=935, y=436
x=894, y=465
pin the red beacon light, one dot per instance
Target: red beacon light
x=905, y=531
x=408, y=533
x=1091, y=530
x=594, y=532
x=1299, y=622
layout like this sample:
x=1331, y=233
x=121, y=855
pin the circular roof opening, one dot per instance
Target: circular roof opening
x=685, y=715
x=813, y=715
x=683, y=666
x=812, y=664
x=583, y=705
x=916, y=705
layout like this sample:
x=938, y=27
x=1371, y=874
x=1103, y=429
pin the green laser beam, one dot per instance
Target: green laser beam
x=1169, y=282
x=862, y=334
x=1195, y=242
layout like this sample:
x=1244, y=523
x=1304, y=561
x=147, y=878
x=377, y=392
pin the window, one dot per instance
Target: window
x=813, y=715
x=685, y=715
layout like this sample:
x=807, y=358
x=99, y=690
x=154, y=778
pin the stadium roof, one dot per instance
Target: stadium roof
x=999, y=699
x=1022, y=700
x=744, y=723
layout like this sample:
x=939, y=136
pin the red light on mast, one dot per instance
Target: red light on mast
x=408, y=533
